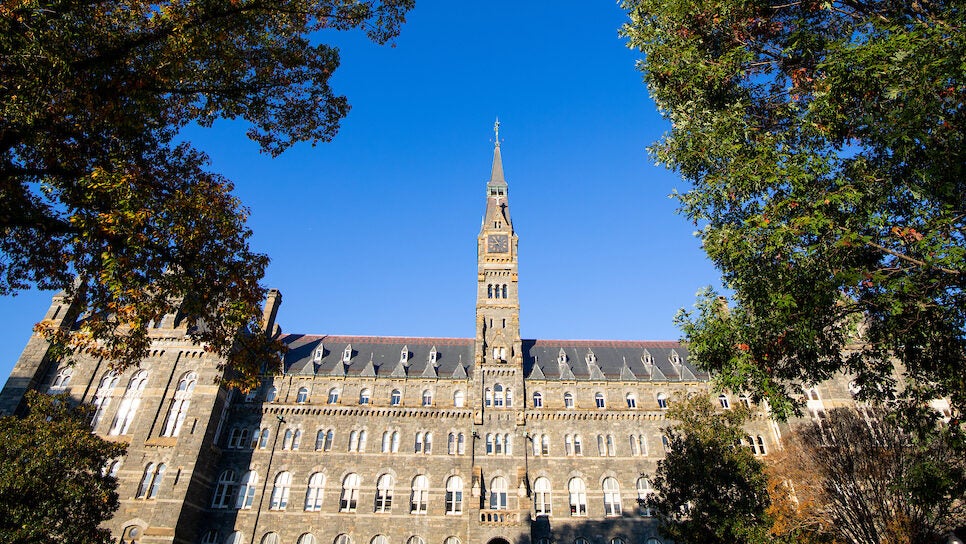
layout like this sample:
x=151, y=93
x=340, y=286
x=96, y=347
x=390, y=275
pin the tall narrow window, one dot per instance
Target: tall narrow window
x=545, y=445
x=385, y=441
x=600, y=446
x=427, y=398
x=504, y=290
x=272, y=394
x=151, y=481
x=395, y=441
x=129, y=403
x=643, y=492
x=363, y=438
x=418, y=445
x=353, y=440
x=384, y=487
x=320, y=440
x=723, y=401
x=498, y=395
x=611, y=447
x=578, y=445
x=662, y=401
x=459, y=399
x=313, y=495
x=280, y=491
x=538, y=400
x=498, y=493
x=395, y=399
x=179, y=405
x=569, y=445
x=364, y=396
x=263, y=438
x=302, y=396
x=349, y=500
x=61, y=380
x=612, y=498
x=224, y=490
x=578, y=497
x=599, y=400
x=102, y=399
x=568, y=400
x=420, y=495
x=428, y=447
x=296, y=439
x=489, y=290
x=454, y=495
x=287, y=439
x=487, y=397
x=761, y=445
x=460, y=444
x=631, y=400
x=246, y=491
x=451, y=444
x=333, y=396
x=541, y=496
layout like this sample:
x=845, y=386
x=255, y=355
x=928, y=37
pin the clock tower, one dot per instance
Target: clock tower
x=497, y=302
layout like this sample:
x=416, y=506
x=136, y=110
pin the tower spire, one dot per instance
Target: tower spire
x=496, y=173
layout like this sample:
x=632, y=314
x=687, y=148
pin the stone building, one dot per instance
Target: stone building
x=494, y=439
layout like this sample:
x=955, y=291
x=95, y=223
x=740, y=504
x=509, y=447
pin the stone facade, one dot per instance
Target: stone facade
x=492, y=439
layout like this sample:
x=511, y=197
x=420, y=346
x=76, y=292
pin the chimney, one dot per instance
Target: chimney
x=270, y=311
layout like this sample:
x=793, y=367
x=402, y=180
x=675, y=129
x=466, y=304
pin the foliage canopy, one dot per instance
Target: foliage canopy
x=53, y=481
x=709, y=488
x=823, y=142
x=92, y=95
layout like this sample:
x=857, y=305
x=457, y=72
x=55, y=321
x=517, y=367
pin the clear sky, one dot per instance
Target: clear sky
x=375, y=232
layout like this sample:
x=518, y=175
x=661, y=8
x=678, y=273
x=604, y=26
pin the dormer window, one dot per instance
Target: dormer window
x=647, y=359
x=562, y=357
x=674, y=358
x=433, y=355
x=347, y=354
x=319, y=352
x=591, y=358
x=404, y=355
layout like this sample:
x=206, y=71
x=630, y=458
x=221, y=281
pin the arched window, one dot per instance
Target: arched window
x=600, y=446
x=363, y=438
x=151, y=481
x=263, y=438
x=568, y=400
x=102, y=399
x=211, y=537
x=723, y=401
x=489, y=290
x=611, y=447
x=224, y=490
x=498, y=493
x=333, y=396
x=545, y=445
x=287, y=439
x=395, y=441
x=747, y=401
x=129, y=403
x=488, y=397
x=270, y=538
x=541, y=496
x=454, y=495
x=428, y=448
x=306, y=538
x=386, y=441
x=452, y=540
x=395, y=399
x=662, y=401
x=279, y=499
x=617, y=540
x=420, y=495
x=112, y=468
x=653, y=540
x=599, y=400
x=379, y=539
x=578, y=445
x=569, y=445
x=761, y=445
x=320, y=440
x=62, y=379
x=427, y=397
x=612, y=498
x=638, y=445
x=578, y=497
x=498, y=395
x=179, y=405
x=132, y=535
x=296, y=439
x=460, y=444
x=666, y=443
x=459, y=399
x=451, y=444
x=504, y=290
x=538, y=400
x=384, y=487
x=234, y=538
x=415, y=540
x=364, y=396
x=644, y=491
x=342, y=539
x=272, y=394
x=302, y=396
x=349, y=500
x=246, y=491
x=313, y=495
x=631, y=399
x=353, y=440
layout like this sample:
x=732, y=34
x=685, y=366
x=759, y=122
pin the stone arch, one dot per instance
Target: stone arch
x=498, y=540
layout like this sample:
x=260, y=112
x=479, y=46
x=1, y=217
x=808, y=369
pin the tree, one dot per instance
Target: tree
x=54, y=480
x=709, y=488
x=98, y=200
x=823, y=142
x=867, y=480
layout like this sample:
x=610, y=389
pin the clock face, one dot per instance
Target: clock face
x=497, y=243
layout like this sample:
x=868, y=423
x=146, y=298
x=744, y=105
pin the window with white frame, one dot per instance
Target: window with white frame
x=224, y=490
x=459, y=399
x=270, y=538
x=342, y=539
x=568, y=400
x=578, y=497
x=638, y=445
x=151, y=481
x=296, y=439
x=454, y=495
x=631, y=399
x=498, y=493
x=644, y=491
x=347, y=354
x=723, y=401
x=541, y=496
x=452, y=540
x=745, y=401
x=349, y=500
x=280, y=491
x=302, y=396
x=395, y=398
x=379, y=539
x=287, y=439
x=314, y=493
x=234, y=538
x=129, y=403
x=599, y=400
x=612, y=497
x=61, y=380
x=364, y=396
x=384, y=487
x=211, y=537
x=333, y=395
x=420, y=495
x=246, y=491
x=272, y=394
x=102, y=398
x=415, y=539
x=306, y=538
x=427, y=397
x=538, y=400
x=662, y=401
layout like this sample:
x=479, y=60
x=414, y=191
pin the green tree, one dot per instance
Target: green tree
x=96, y=197
x=869, y=479
x=54, y=486
x=823, y=144
x=708, y=488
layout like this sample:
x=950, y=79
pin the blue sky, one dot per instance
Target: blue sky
x=375, y=232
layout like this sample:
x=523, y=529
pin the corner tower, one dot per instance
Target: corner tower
x=497, y=299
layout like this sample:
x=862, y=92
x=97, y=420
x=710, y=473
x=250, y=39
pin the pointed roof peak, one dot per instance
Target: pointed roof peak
x=496, y=172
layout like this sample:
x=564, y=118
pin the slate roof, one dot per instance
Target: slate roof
x=597, y=360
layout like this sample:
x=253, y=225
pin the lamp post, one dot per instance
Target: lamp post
x=268, y=474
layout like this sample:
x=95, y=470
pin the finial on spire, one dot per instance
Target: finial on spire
x=496, y=131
